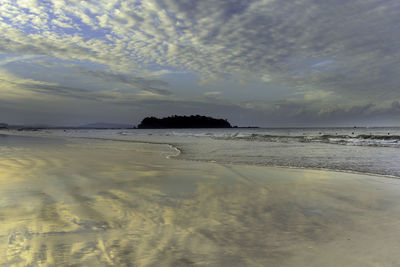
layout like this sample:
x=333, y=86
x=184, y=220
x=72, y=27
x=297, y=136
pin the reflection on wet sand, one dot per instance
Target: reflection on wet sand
x=100, y=203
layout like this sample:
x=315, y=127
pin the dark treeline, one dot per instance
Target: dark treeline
x=194, y=121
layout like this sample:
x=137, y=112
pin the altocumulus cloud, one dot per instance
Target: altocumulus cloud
x=347, y=51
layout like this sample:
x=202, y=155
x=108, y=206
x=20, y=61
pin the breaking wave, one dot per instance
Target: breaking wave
x=355, y=140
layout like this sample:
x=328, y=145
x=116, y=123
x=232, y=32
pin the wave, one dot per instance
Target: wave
x=355, y=140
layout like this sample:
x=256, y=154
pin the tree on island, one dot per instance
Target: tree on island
x=193, y=121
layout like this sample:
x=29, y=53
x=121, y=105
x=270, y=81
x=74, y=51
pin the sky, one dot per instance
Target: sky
x=268, y=63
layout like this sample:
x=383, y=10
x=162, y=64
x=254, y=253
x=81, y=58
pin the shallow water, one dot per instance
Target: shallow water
x=103, y=203
x=364, y=150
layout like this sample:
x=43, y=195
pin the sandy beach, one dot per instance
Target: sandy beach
x=88, y=202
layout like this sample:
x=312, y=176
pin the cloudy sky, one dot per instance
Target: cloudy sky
x=254, y=62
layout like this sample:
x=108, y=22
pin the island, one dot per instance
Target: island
x=193, y=121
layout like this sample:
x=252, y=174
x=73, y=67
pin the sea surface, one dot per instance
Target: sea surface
x=363, y=150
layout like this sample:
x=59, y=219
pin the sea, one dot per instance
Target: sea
x=374, y=150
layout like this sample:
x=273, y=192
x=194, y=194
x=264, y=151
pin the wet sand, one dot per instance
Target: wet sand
x=107, y=203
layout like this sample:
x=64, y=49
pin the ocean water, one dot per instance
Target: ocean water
x=364, y=150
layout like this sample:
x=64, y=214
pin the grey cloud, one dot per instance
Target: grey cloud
x=140, y=83
x=77, y=106
x=395, y=105
x=310, y=114
x=65, y=91
x=51, y=89
x=283, y=113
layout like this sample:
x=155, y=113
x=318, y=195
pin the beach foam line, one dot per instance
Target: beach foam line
x=179, y=152
x=293, y=167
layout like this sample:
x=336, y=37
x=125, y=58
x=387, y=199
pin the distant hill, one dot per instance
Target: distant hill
x=98, y=125
x=194, y=121
x=103, y=125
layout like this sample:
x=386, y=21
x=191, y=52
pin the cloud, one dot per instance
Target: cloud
x=13, y=59
x=140, y=83
x=339, y=52
x=212, y=93
x=263, y=37
x=29, y=100
x=14, y=87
